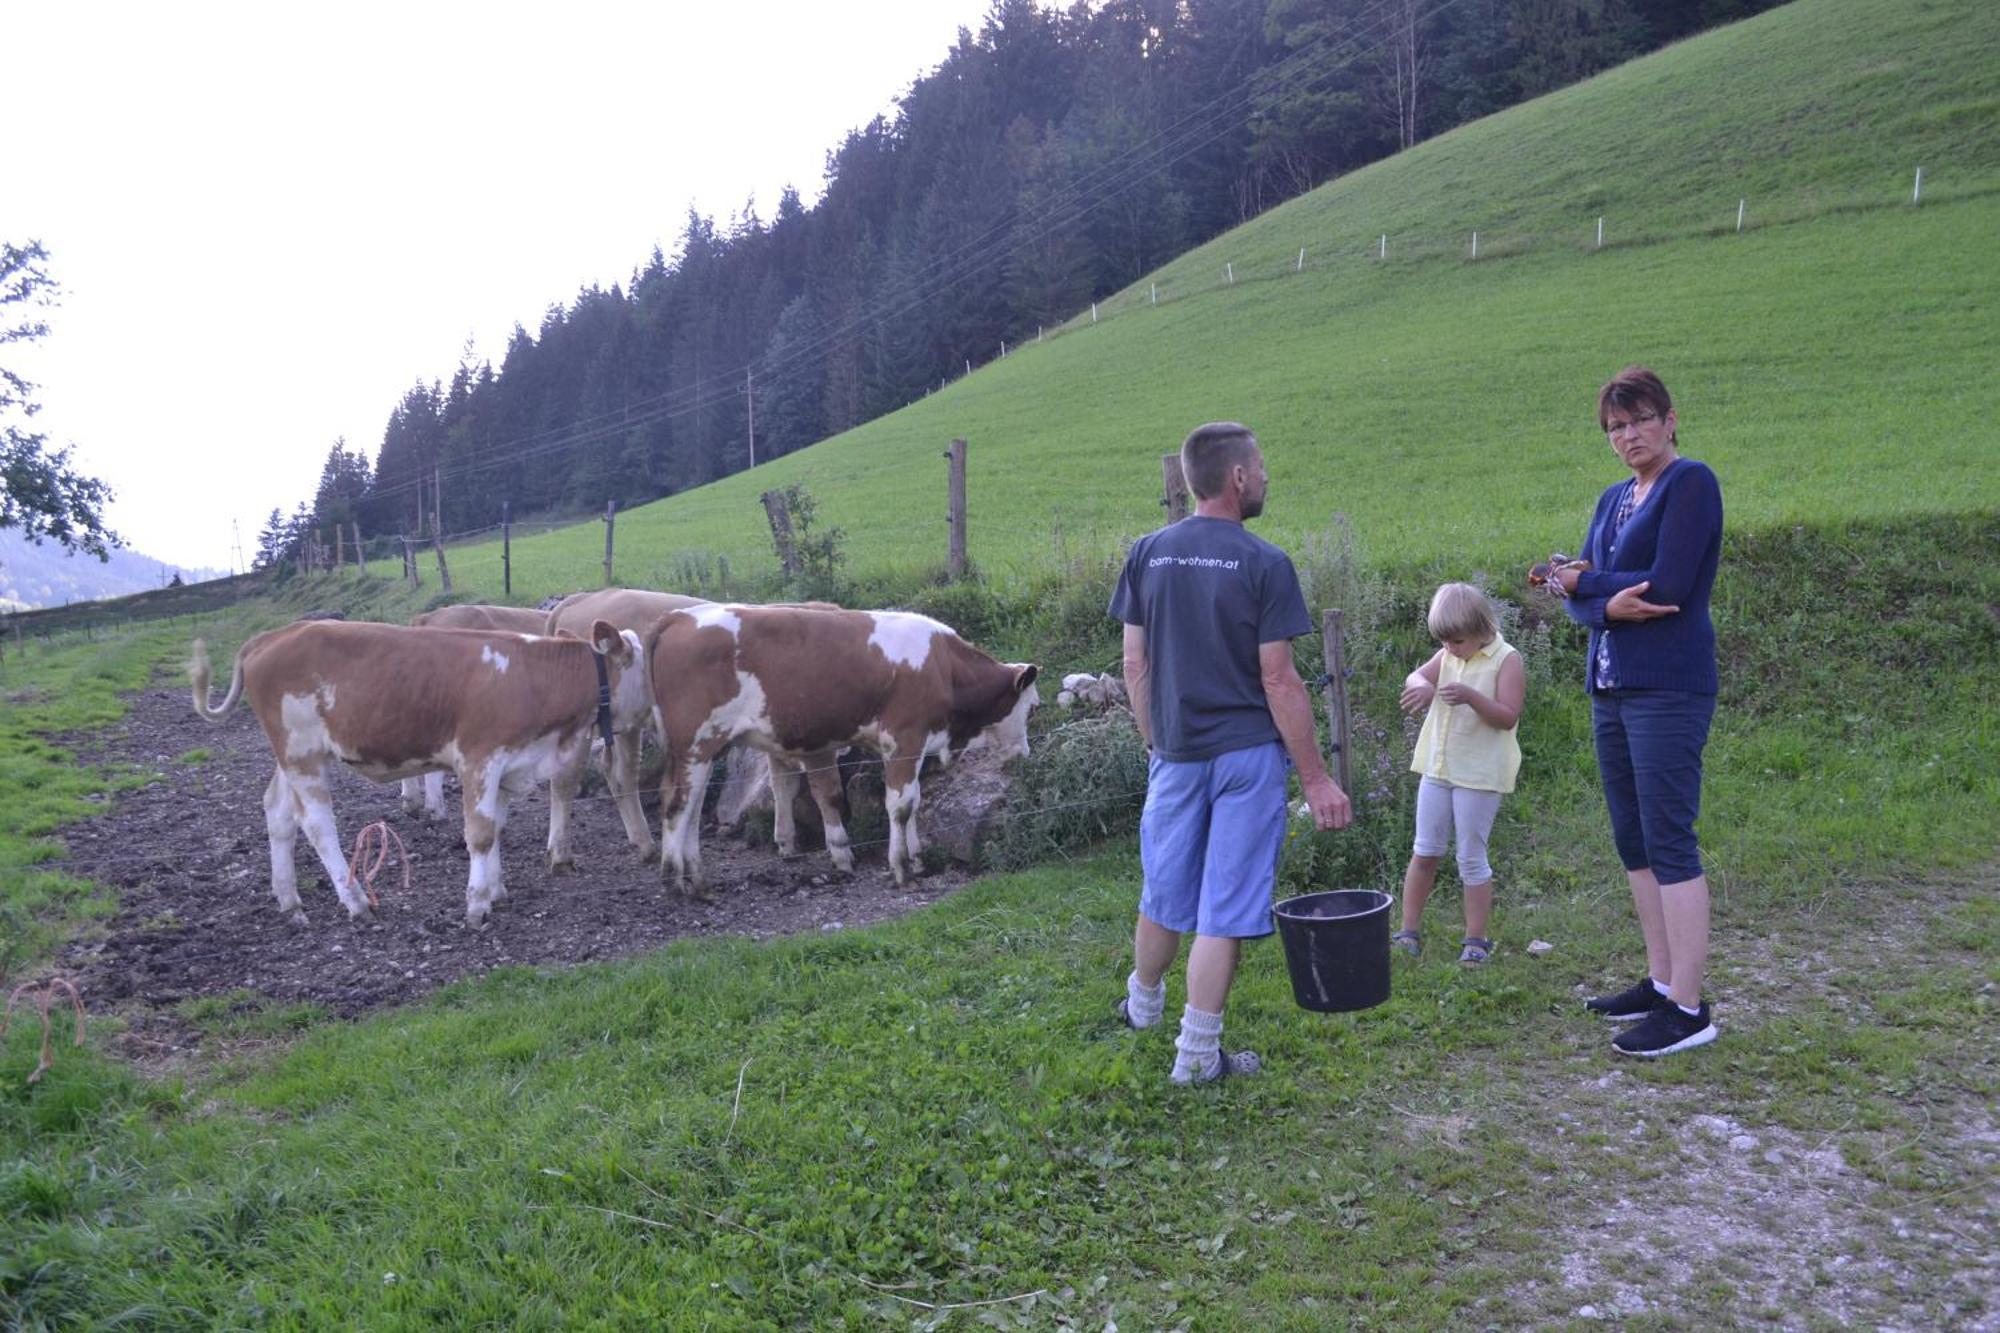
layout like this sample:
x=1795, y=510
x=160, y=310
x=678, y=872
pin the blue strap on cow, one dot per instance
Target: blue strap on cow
x=603, y=702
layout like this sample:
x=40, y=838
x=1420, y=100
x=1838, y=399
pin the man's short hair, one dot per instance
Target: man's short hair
x=1210, y=451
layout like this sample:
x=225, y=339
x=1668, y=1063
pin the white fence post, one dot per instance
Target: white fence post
x=1600, y=233
x=1156, y=293
x=1917, y=192
x=1302, y=261
x=1384, y=252
x=1093, y=312
x=1230, y=270
x=1475, y=245
x=1739, y=213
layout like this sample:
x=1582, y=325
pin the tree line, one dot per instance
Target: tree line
x=1052, y=157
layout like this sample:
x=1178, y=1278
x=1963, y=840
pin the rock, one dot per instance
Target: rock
x=1540, y=947
x=963, y=804
x=1744, y=1143
x=1586, y=1312
x=746, y=786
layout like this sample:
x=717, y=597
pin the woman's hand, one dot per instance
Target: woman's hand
x=1628, y=604
x=1417, y=693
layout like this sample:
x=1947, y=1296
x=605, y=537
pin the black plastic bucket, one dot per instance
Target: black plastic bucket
x=1337, y=948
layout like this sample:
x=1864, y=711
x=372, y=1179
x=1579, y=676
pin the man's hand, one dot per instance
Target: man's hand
x=1417, y=693
x=1629, y=604
x=1328, y=803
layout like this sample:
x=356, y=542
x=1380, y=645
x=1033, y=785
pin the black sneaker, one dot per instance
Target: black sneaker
x=1630, y=1004
x=1666, y=1030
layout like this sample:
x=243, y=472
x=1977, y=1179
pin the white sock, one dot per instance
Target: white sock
x=1661, y=986
x=1144, y=1004
x=1691, y=1013
x=1199, y=1046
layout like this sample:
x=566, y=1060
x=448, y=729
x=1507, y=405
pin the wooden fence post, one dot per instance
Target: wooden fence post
x=410, y=562
x=1331, y=636
x=956, y=493
x=339, y=546
x=360, y=555
x=1175, y=486
x=444, y=570
x=610, y=523
x=781, y=532
x=506, y=548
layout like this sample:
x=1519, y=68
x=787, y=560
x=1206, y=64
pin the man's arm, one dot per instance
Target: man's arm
x=1291, y=710
x=1138, y=681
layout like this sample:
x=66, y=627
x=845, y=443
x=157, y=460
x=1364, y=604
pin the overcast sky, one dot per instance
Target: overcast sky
x=269, y=221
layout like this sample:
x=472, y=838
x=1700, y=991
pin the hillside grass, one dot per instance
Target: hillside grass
x=1831, y=361
x=867, y=1128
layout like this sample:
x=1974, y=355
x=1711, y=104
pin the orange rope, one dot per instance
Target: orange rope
x=49, y=991
x=379, y=845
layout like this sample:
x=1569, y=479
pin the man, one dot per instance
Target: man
x=1209, y=614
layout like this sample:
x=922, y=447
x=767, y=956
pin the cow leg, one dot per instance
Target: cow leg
x=784, y=790
x=424, y=793
x=315, y=814
x=281, y=820
x=823, y=774
x=485, y=803
x=900, y=795
x=680, y=823
x=562, y=791
x=622, y=771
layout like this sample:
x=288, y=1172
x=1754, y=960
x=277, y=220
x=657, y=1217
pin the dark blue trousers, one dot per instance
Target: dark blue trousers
x=1649, y=745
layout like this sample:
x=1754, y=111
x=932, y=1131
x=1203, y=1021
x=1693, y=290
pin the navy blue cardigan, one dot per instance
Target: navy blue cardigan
x=1674, y=540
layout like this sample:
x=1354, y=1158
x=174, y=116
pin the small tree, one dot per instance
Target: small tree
x=41, y=493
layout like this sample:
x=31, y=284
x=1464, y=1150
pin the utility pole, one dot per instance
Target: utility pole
x=750, y=409
x=236, y=526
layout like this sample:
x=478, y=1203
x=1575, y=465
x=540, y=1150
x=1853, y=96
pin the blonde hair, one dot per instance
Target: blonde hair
x=1461, y=611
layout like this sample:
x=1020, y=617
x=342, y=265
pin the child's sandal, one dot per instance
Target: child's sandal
x=1407, y=942
x=1476, y=951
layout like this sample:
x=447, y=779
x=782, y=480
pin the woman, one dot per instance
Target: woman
x=1642, y=586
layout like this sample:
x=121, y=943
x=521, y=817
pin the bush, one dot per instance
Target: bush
x=1084, y=780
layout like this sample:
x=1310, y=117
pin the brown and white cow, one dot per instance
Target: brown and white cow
x=427, y=793
x=503, y=710
x=637, y=610
x=801, y=683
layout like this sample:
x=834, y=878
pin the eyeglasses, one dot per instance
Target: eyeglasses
x=1616, y=428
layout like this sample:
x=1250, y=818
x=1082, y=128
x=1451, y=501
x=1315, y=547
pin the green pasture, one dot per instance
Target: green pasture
x=1831, y=361
x=935, y=1122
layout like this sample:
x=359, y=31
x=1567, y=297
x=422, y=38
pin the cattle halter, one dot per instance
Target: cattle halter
x=603, y=703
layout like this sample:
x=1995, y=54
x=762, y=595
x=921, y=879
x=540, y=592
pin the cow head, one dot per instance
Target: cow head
x=625, y=665
x=1009, y=736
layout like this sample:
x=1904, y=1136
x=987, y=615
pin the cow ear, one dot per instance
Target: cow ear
x=604, y=637
x=1024, y=677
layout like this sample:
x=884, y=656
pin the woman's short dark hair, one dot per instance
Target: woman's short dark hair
x=1633, y=390
x=1210, y=451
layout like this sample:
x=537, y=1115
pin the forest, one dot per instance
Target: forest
x=1052, y=157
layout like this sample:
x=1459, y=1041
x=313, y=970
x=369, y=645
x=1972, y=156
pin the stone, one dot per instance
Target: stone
x=1540, y=947
x=963, y=804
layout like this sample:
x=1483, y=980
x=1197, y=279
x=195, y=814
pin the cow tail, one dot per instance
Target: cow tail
x=199, y=671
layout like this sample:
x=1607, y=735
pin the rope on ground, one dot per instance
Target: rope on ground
x=375, y=838
x=46, y=994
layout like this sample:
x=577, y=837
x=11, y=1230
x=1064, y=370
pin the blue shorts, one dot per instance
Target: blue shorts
x=1209, y=841
x=1649, y=745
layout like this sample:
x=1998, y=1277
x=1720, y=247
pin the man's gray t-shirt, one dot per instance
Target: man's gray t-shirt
x=1208, y=593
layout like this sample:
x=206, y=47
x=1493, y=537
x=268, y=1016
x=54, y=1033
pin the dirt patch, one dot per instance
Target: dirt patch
x=190, y=862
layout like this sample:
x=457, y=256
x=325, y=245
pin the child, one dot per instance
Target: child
x=1470, y=693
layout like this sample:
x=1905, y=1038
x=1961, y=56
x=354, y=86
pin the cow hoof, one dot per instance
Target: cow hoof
x=649, y=853
x=564, y=867
x=297, y=916
x=475, y=920
x=361, y=916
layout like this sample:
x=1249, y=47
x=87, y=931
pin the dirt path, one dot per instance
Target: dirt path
x=190, y=861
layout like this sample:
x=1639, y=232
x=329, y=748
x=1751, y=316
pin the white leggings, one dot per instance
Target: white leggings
x=1440, y=807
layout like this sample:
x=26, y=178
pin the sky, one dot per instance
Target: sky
x=268, y=221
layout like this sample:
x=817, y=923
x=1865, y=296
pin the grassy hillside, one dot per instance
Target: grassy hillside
x=1827, y=356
